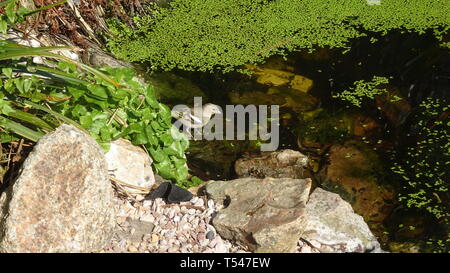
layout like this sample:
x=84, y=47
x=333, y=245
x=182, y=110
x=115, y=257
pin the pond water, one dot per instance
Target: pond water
x=351, y=149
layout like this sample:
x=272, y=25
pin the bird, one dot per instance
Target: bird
x=188, y=118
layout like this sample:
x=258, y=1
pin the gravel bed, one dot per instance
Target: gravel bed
x=154, y=226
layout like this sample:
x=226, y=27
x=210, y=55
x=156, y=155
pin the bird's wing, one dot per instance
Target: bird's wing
x=195, y=120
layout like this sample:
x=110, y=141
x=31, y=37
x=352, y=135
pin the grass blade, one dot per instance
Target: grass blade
x=20, y=130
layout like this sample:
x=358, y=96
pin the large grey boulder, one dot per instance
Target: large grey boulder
x=62, y=201
x=266, y=215
x=333, y=226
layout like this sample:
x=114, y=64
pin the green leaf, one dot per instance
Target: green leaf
x=11, y=12
x=20, y=130
x=86, y=121
x=75, y=92
x=97, y=92
x=119, y=93
x=3, y=26
x=29, y=118
x=158, y=155
x=100, y=102
x=7, y=71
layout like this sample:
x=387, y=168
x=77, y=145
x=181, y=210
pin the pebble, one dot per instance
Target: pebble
x=154, y=238
x=147, y=218
x=132, y=248
x=201, y=236
x=200, y=203
x=220, y=248
x=191, y=211
x=121, y=219
x=210, y=235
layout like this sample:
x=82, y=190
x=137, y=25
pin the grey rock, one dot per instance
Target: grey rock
x=130, y=164
x=267, y=215
x=279, y=164
x=62, y=201
x=333, y=226
x=141, y=228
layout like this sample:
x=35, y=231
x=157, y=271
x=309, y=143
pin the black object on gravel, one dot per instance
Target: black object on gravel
x=171, y=193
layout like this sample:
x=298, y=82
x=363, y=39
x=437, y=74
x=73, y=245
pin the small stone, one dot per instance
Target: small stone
x=208, y=250
x=121, y=219
x=201, y=228
x=147, y=218
x=194, y=222
x=154, y=206
x=176, y=219
x=162, y=220
x=166, y=211
x=155, y=238
x=146, y=237
x=201, y=236
x=183, y=210
x=173, y=249
x=210, y=204
x=213, y=242
x=191, y=211
x=147, y=203
x=185, y=218
x=171, y=213
x=170, y=233
x=139, y=198
x=157, y=229
x=200, y=202
x=156, y=214
x=210, y=235
x=204, y=243
x=220, y=248
x=132, y=248
x=194, y=199
x=176, y=209
x=305, y=249
x=195, y=248
x=211, y=228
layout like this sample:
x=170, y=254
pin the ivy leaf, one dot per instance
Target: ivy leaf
x=98, y=92
x=75, y=92
x=86, y=121
x=7, y=71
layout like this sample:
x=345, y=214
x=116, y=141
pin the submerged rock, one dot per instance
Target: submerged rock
x=352, y=173
x=301, y=83
x=267, y=215
x=393, y=106
x=297, y=100
x=62, y=200
x=276, y=74
x=334, y=227
x=285, y=163
x=268, y=76
x=175, y=89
